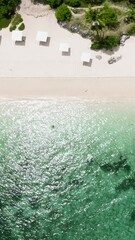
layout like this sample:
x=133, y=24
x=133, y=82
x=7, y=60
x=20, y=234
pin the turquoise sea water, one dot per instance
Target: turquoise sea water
x=67, y=170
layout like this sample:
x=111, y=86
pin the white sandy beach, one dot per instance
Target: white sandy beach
x=36, y=61
x=95, y=89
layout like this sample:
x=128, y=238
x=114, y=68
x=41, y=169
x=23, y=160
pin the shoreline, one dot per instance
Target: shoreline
x=94, y=89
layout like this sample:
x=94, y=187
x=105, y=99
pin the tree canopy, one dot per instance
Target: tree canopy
x=63, y=13
x=7, y=7
x=99, y=20
x=105, y=16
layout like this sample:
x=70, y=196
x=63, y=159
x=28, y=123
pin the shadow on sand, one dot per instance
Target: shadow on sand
x=47, y=43
x=21, y=43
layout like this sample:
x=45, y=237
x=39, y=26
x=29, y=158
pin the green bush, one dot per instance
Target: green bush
x=131, y=15
x=107, y=43
x=63, y=13
x=55, y=3
x=17, y=19
x=92, y=2
x=96, y=45
x=8, y=7
x=21, y=27
x=131, y=31
x=132, y=1
x=73, y=3
x=91, y=15
x=117, y=1
x=108, y=16
x=4, y=22
x=12, y=28
x=111, y=42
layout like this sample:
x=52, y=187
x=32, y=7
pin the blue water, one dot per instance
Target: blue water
x=67, y=170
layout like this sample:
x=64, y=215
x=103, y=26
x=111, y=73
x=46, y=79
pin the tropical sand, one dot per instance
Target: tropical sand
x=102, y=89
x=39, y=71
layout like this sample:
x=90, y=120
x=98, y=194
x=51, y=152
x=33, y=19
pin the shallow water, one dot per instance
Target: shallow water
x=67, y=170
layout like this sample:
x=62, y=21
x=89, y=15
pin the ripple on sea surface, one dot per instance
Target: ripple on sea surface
x=67, y=170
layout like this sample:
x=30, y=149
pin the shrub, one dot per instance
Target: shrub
x=63, y=13
x=111, y=42
x=21, y=27
x=131, y=31
x=12, y=28
x=108, y=16
x=17, y=19
x=8, y=7
x=55, y=3
x=131, y=15
x=132, y=1
x=91, y=15
x=96, y=45
x=108, y=43
x=73, y=3
x=117, y=1
x=92, y=2
x=4, y=22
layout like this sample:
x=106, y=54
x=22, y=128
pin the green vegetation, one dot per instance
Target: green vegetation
x=12, y=28
x=7, y=10
x=131, y=30
x=4, y=22
x=108, y=43
x=111, y=42
x=73, y=3
x=131, y=15
x=103, y=22
x=7, y=7
x=63, y=13
x=132, y=1
x=108, y=16
x=54, y=3
x=16, y=20
x=105, y=16
x=21, y=27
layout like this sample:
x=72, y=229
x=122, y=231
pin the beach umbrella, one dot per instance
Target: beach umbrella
x=17, y=35
x=85, y=57
x=42, y=36
x=64, y=47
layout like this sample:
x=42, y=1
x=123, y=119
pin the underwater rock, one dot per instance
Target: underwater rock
x=107, y=167
x=19, y=213
x=34, y=202
x=76, y=182
x=116, y=166
x=2, y=205
x=5, y=228
x=126, y=184
x=15, y=194
x=133, y=215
